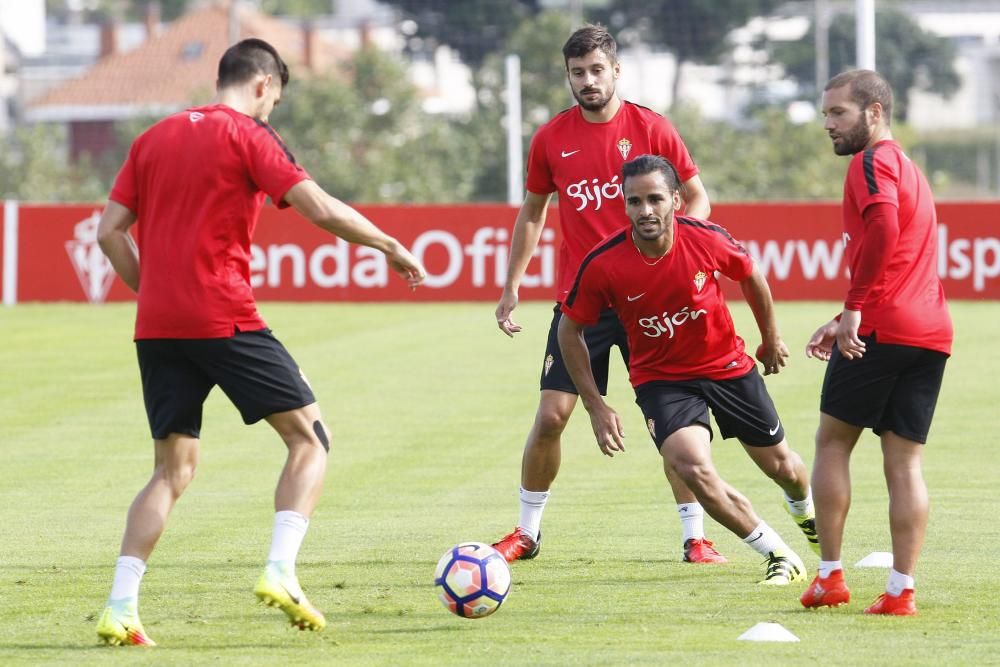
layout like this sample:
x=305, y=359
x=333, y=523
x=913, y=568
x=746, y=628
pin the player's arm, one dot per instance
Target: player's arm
x=876, y=250
x=696, y=202
x=527, y=230
x=329, y=213
x=772, y=351
x=605, y=421
x=117, y=243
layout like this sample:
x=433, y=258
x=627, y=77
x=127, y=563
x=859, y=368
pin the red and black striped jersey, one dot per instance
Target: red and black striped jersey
x=906, y=304
x=196, y=181
x=672, y=308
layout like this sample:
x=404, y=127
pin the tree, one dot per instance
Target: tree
x=474, y=28
x=33, y=168
x=692, y=30
x=905, y=54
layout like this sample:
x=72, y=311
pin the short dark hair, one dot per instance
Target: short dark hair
x=589, y=38
x=246, y=59
x=866, y=88
x=649, y=164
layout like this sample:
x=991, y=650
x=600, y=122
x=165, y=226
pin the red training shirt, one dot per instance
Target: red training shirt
x=582, y=162
x=196, y=181
x=905, y=305
x=672, y=308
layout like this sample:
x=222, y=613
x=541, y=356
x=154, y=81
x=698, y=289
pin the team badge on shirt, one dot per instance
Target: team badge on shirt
x=651, y=425
x=699, y=280
x=548, y=363
x=624, y=147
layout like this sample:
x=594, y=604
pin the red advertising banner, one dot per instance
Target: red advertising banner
x=55, y=256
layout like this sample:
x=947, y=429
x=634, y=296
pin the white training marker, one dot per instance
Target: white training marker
x=876, y=559
x=768, y=632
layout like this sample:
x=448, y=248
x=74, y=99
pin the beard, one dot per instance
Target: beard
x=595, y=104
x=854, y=140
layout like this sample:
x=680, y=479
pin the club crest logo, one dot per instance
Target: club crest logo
x=651, y=425
x=92, y=268
x=624, y=147
x=699, y=280
x=549, y=360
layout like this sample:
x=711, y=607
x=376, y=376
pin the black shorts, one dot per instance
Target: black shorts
x=253, y=369
x=742, y=408
x=600, y=338
x=891, y=388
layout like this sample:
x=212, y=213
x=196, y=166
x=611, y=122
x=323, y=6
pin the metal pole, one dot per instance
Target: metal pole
x=10, y=249
x=822, y=28
x=515, y=178
x=866, y=34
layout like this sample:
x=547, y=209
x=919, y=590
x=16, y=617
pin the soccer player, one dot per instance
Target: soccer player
x=579, y=154
x=886, y=351
x=195, y=182
x=659, y=276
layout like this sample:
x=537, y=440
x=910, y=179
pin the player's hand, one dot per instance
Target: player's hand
x=406, y=266
x=508, y=302
x=608, y=429
x=820, y=346
x=850, y=346
x=772, y=354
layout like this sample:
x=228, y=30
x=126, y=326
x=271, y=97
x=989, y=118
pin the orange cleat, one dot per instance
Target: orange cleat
x=890, y=605
x=700, y=550
x=826, y=592
x=518, y=545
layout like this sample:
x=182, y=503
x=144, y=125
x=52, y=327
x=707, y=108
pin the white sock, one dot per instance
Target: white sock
x=828, y=566
x=128, y=575
x=898, y=582
x=802, y=507
x=532, y=506
x=289, y=531
x=692, y=520
x=763, y=539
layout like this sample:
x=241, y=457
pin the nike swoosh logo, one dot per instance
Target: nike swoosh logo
x=759, y=535
x=775, y=429
x=568, y=153
x=294, y=598
x=637, y=296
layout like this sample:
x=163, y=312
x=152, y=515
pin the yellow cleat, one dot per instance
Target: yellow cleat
x=277, y=588
x=783, y=568
x=807, y=524
x=120, y=626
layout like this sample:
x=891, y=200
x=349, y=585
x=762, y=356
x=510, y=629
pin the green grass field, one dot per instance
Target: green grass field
x=430, y=405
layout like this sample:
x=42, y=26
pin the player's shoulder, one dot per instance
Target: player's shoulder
x=608, y=247
x=644, y=115
x=560, y=121
x=702, y=228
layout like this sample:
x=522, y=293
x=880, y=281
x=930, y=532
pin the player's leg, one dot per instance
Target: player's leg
x=173, y=391
x=903, y=429
x=687, y=451
x=695, y=545
x=263, y=381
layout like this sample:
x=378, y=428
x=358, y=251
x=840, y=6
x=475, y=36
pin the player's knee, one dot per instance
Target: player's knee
x=177, y=476
x=697, y=475
x=550, y=423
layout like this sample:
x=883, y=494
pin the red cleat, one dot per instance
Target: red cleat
x=890, y=605
x=700, y=550
x=518, y=545
x=826, y=592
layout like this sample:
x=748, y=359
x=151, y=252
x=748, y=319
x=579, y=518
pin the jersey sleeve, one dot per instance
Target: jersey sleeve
x=272, y=166
x=667, y=142
x=873, y=178
x=733, y=260
x=539, y=178
x=125, y=190
x=589, y=295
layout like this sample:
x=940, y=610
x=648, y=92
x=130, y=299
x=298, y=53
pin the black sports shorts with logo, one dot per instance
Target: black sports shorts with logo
x=891, y=388
x=600, y=337
x=742, y=408
x=252, y=367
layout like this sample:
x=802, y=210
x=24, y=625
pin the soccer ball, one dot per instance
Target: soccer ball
x=472, y=580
